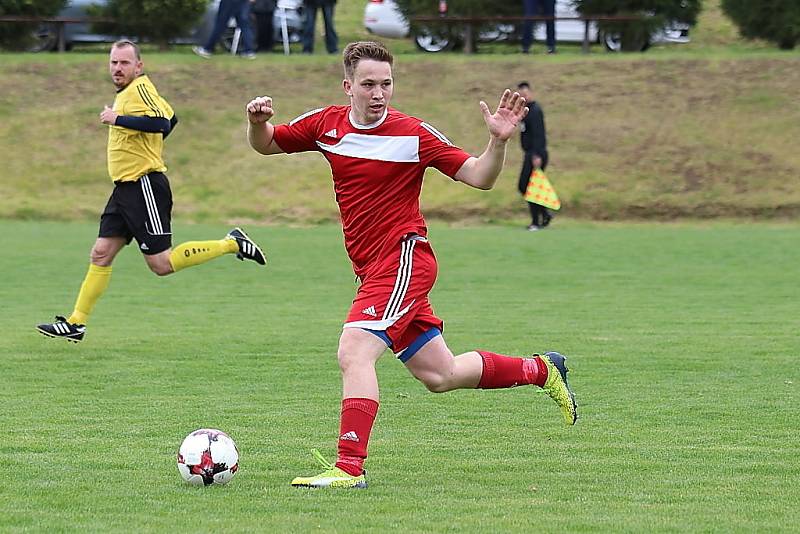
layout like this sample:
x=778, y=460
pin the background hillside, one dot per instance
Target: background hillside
x=702, y=130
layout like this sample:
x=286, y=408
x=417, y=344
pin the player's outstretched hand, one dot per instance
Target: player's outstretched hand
x=510, y=111
x=260, y=109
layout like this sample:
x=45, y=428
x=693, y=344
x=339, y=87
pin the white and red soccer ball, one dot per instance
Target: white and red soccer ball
x=208, y=456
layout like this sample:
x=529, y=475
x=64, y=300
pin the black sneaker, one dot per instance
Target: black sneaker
x=248, y=250
x=63, y=329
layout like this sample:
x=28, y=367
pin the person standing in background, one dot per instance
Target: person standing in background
x=331, y=39
x=264, y=11
x=534, y=144
x=532, y=8
x=240, y=10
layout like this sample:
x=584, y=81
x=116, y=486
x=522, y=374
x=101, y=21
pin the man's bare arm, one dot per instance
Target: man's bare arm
x=482, y=172
x=260, y=132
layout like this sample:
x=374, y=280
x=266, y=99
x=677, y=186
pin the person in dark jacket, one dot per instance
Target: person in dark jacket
x=534, y=144
x=264, y=10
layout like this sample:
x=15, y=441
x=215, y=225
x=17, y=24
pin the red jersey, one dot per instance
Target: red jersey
x=377, y=172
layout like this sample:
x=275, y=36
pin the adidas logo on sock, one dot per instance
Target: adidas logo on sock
x=370, y=311
x=350, y=436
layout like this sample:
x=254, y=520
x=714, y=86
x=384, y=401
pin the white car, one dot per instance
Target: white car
x=384, y=19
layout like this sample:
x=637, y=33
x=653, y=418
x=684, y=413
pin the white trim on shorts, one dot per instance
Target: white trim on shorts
x=404, y=271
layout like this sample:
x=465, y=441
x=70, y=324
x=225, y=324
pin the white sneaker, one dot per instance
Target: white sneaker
x=202, y=52
x=533, y=228
x=249, y=55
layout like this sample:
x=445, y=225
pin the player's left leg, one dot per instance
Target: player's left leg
x=193, y=253
x=435, y=366
x=147, y=209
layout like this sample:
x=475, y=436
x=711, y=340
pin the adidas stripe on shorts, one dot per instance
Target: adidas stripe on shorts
x=140, y=210
x=393, y=297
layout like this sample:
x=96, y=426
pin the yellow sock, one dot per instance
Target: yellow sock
x=93, y=287
x=194, y=253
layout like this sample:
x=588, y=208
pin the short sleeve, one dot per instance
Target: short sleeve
x=300, y=135
x=438, y=152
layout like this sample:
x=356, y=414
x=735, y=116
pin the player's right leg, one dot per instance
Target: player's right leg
x=359, y=350
x=95, y=283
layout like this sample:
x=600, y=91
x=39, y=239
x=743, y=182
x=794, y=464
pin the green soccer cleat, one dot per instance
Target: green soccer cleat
x=332, y=477
x=557, y=386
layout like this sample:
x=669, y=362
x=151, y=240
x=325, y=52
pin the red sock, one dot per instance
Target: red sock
x=505, y=372
x=358, y=416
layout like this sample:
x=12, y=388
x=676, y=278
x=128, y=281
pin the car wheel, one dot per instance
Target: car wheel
x=430, y=40
x=615, y=42
x=44, y=39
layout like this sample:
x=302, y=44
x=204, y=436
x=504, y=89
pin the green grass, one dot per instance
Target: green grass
x=682, y=342
x=630, y=136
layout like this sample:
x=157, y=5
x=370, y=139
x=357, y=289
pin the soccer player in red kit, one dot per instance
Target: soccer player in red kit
x=378, y=157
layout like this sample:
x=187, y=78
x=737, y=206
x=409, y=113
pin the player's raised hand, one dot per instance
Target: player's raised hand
x=260, y=109
x=510, y=111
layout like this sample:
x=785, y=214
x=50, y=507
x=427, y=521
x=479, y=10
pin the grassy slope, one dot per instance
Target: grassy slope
x=702, y=130
x=683, y=353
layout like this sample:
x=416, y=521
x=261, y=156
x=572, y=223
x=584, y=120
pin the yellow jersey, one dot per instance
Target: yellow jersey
x=131, y=153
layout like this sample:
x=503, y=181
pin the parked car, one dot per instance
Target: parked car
x=47, y=37
x=384, y=19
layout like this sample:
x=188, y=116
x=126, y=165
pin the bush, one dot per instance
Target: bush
x=457, y=8
x=777, y=21
x=18, y=35
x=158, y=21
x=655, y=13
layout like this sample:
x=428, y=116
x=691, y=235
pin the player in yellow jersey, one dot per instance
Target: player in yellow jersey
x=140, y=205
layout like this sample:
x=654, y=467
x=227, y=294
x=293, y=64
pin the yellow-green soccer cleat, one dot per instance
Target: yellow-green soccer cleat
x=332, y=477
x=558, y=387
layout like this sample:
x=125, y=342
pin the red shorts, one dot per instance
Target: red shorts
x=393, y=297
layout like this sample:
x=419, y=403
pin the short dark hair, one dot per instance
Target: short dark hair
x=523, y=85
x=124, y=42
x=355, y=52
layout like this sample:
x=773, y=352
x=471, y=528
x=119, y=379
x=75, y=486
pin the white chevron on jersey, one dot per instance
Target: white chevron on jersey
x=436, y=133
x=394, y=148
x=304, y=115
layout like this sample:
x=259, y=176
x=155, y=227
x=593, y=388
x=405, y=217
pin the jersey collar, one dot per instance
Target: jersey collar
x=367, y=126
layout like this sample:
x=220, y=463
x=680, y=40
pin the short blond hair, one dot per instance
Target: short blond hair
x=355, y=52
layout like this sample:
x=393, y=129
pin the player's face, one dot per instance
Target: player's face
x=370, y=90
x=124, y=66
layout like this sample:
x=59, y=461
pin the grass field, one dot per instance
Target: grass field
x=682, y=341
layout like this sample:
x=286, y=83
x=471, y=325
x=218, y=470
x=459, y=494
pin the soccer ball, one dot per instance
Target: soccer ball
x=208, y=456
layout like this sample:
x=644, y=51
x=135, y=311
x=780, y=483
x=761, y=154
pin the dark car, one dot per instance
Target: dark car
x=76, y=33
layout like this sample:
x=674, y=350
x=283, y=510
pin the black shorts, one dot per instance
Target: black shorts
x=140, y=209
